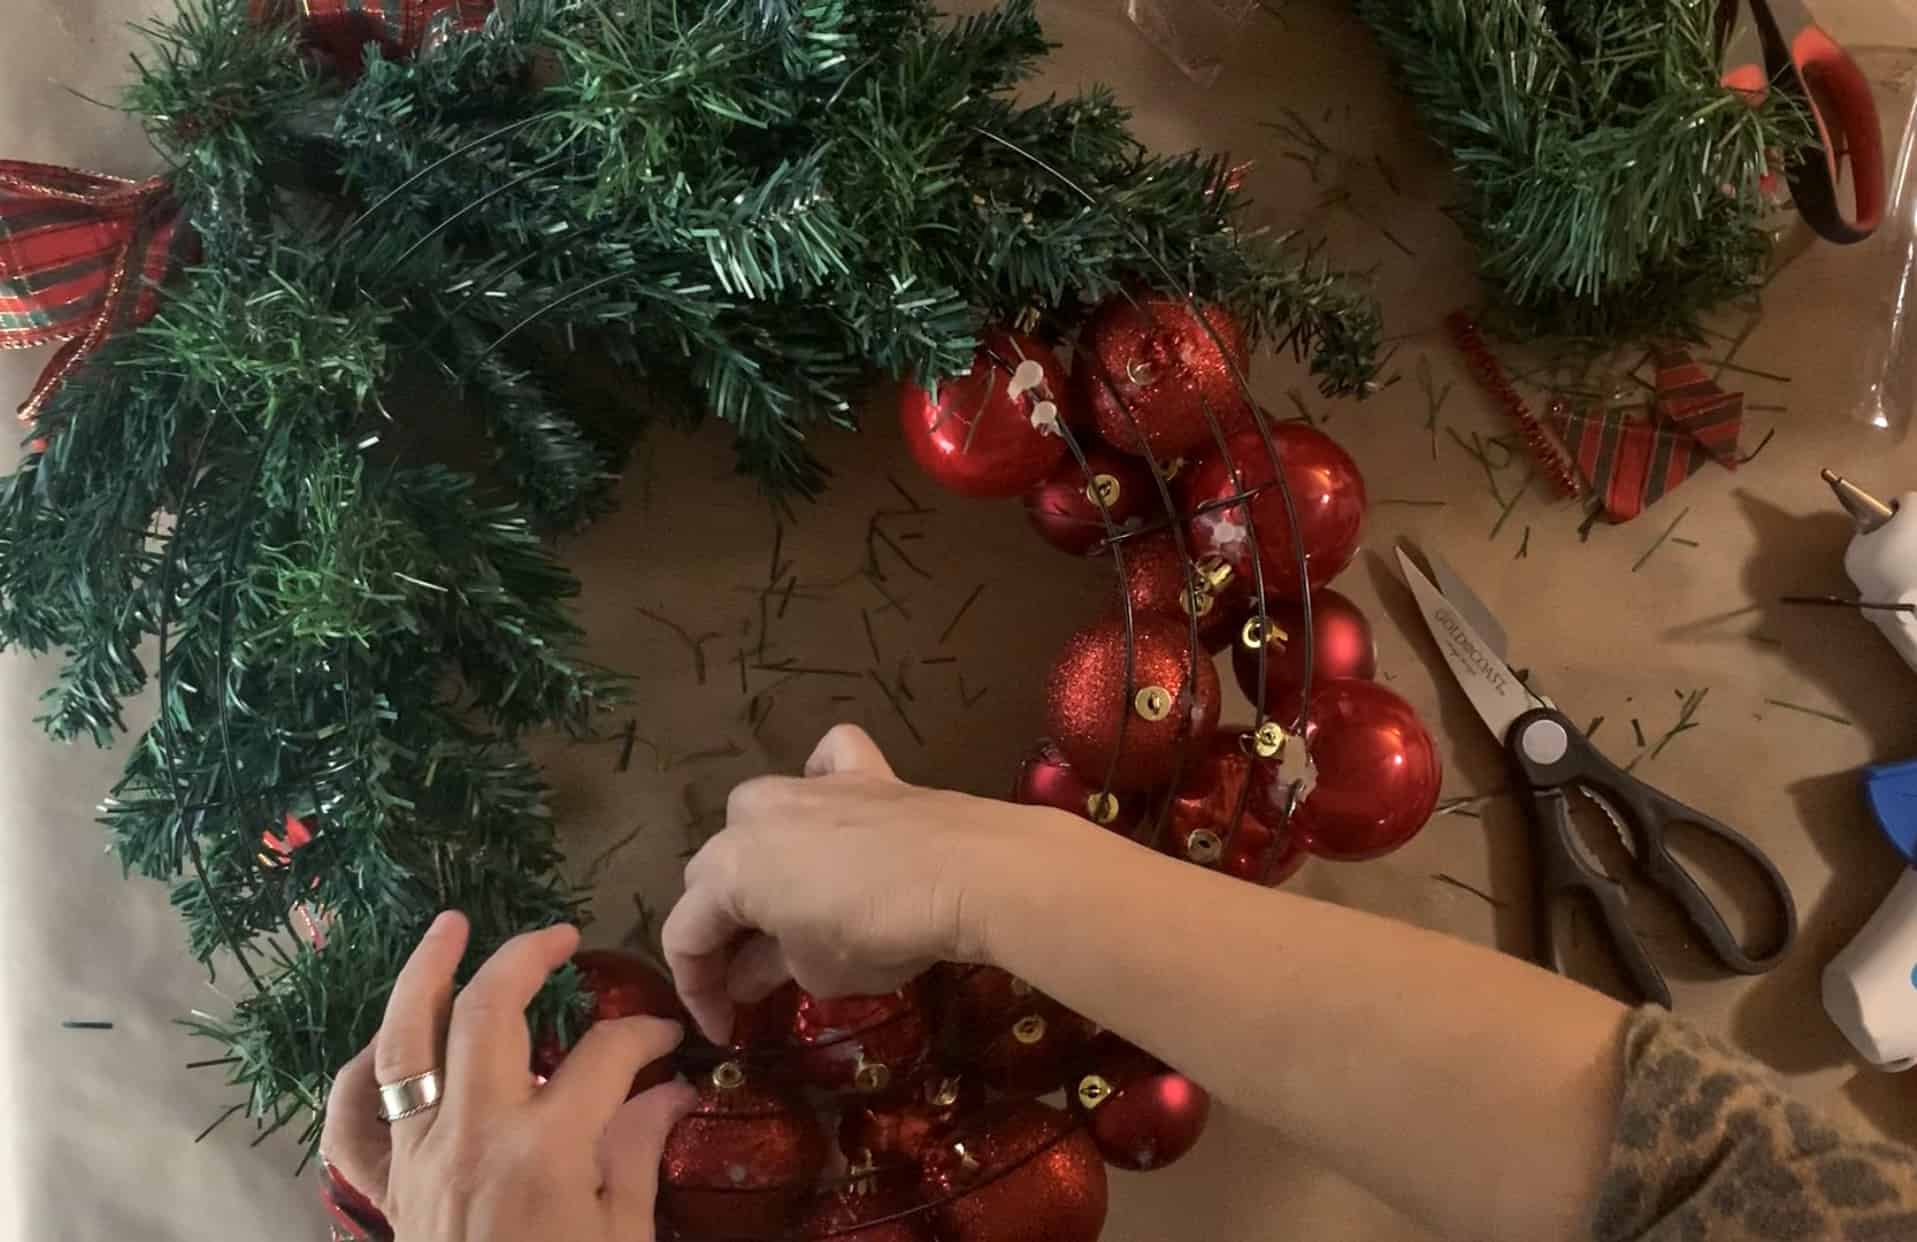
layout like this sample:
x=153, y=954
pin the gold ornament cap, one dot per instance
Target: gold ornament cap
x=1102, y=808
x=1093, y=1091
x=728, y=1076
x=1104, y=489
x=1154, y=703
x=872, y=1075
x=1204, y=847
x=1029, y=1029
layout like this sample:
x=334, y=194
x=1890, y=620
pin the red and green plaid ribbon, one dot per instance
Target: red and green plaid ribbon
x=402, y=28
x=81, y=257
x=1634, y=458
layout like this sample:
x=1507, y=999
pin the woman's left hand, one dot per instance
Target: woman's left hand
x=500, y=1157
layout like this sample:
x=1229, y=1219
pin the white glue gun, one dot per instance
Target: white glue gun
x=1870, y=989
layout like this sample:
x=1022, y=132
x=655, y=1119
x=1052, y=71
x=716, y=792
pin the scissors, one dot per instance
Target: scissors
x=1550, y=757
x=1799, y=58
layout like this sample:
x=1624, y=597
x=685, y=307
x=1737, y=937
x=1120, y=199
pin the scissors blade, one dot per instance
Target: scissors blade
x=1476, y=613
x=1487, y=680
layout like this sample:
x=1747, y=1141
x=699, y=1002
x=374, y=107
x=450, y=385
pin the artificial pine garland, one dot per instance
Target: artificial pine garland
x=1612, y=181
x=236, y=490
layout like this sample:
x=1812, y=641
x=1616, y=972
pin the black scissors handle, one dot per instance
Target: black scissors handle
x=1552, y=757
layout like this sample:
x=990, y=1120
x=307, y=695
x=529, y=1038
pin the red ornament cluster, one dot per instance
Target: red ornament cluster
x=910, y=1117
x=1219, y=522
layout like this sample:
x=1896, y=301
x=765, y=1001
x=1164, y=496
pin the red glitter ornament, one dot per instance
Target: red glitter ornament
x=1047, y=778
x=1149, y=370
x=858, y=1214
x=994, y=431
x=1378, y=773
x=1341, y=646
x=1326, y=489
x=1216, y=822
x=882, y=1134
x=861, y=1043
x=1015, y=1037
x=1161, y=578
x=1022, y=1172
x=1065, y=507
x=1126, y=720
x=623, y=985
x=742, y=1164
x=1142, y=1114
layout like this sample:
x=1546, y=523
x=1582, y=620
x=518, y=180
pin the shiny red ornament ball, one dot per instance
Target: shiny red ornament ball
x=760, y=1030
x=1149, y=370
x=858, y=1213
x=1327, y=492
x=1142, y=1114
x=623, y=985
x=1065, y=507
x=352, y=1214
x=1126, y=721
x=1378, y=773
x=1021, y=1172
x=1014, y=1037
x=861, y=1043
x=1341, y=646
x=1215, y=821
x=996, y=430
x=1161, y=577
x=742, y=1164
x=1047, y=778
x=882, y=1134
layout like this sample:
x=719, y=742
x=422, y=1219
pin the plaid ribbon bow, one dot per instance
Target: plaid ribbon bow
x=1634, y=458
x=81, y=257
x=342, y=28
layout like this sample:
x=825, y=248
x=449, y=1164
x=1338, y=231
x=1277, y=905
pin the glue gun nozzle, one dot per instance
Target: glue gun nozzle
x=1865, y=509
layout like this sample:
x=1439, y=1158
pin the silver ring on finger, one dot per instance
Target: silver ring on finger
x=409, y=1097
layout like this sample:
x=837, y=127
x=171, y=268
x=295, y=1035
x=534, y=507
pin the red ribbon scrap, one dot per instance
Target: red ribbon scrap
x=82, y=255
x=1632, y=458
x=341, y=29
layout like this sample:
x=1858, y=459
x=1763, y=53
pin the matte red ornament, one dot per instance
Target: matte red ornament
x=1141, y=1113
x=1064, y=508
x=1161, y=577
x=623, y=985
x=1378, y=773
x=352, y=1214
x=1047, y=778
x=861, y=1043
x=857, y=1214
x=1125, y=721
x=1021, y=1172
x=994, y=431
x=1151, y=356
x=886, y=1133
x=1326, y=490
x=1341, y=646
x=1016, y=1038
x=743, y=1163
x=1216, y=822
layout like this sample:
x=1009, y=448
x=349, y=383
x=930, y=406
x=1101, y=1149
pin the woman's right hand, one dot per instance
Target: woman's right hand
x=849, y=880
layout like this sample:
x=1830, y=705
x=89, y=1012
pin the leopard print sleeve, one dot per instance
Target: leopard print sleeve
x=1711, y=1148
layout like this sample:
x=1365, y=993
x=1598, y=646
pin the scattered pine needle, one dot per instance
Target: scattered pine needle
x=1833, y=717
x=1668, y=530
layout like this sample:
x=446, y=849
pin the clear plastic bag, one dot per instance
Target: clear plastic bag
x=1192, y=33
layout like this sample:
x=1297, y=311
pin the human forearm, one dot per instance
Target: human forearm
x=1473, y=1090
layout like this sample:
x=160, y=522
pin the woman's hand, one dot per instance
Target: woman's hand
x=501, y=1158
x=850, y=881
